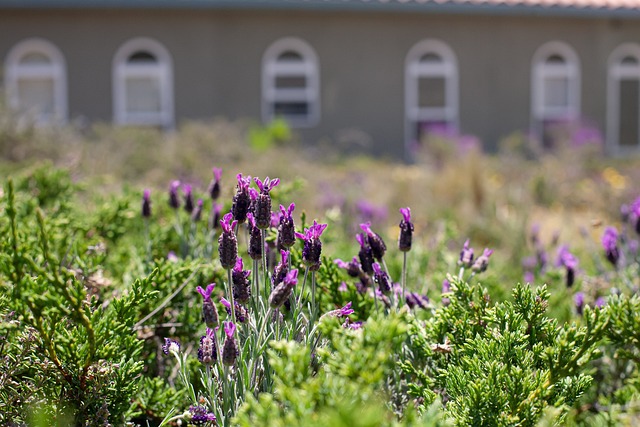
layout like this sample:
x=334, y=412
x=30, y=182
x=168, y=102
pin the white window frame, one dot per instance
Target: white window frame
x=272, y=69
x=162, y=70
x=414, y=70
x=616, y=72
x=542, y=70
x=56, y=70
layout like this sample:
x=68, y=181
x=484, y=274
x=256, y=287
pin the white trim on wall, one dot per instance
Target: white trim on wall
x=31, y=62
x=301, y=67
x=156, y=70
x=445, y=66
x=619, y=70
x=553, y=63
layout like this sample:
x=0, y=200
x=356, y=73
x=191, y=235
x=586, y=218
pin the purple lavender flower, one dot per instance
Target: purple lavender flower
x=216, y=209
x=312, y=245
x=200, y=416
x=208, y=352
x=209, y=310
x=446, y=288
x=282, y=292
x=171, y=346
x=535, y=234
x=529, y=277
x=378, y=248
x=406, y=231
x=482, y=262
x=172, y=257
x=600, y=302
x=214, y=186
x=578, y=300
x=286, y=227
x=341, y=312
x=230, y=349
x=370, y=212
x=255, y=239
x=281, y=270
x=610, y=245
x=241, y=282
x=262, y=208
x=146, y=203
x=353, y=267
x=188, y=198
x=364, y=254
x=343, y=287
x=569, y=262
x=381, y=278
x=242, y=314
x=227, y=242
x=466, y=255
x=174, y=201
x=196, y=215
x=352, y=325
x=416, y=300
x=241, y=200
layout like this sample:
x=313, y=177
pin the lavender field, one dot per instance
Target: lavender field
x=224, y=274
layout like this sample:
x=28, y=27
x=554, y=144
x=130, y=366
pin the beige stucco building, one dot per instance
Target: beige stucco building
x=381, y=72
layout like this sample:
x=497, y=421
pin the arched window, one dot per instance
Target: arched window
x=143, y=84
x=555, y=89
x=623, y=99
x=36, y=81
x=291, y=83
x=431, y=91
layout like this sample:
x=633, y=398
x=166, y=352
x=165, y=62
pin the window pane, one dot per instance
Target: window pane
x=290, y=56
x=556, y=92
x=431, y=58
x=142, y=57
x=555, y=59
x=143, y=95
x=36, y=96
x=35, y=58
x=291, y=82
x=629, y=110
x=291, y=109
x=431, y=92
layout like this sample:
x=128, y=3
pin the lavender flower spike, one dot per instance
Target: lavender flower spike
x=569, y=262
x=209, y=310
x=578, y=300
x=312, y=245
x=262, y=207
x=381, y=278
x=214, y=186
x=242, y=315
x=227, y=242
x=171, y=346
x=200, y=416
x=406, y=231
x=146, y=203
x=197, y=212
x=230, y=349
x=208, y=352
x=365, y=255
x=466, y=255
x=241, y=200
x=174, y=201
x=341, y=312
x=241, y=283
x=286, y=227
x=610, y=245
x=378, y=247
x=282, y=292
x=482, y=262
x=255, y=239
x=188, y=198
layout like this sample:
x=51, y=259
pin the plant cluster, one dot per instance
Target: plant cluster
x=139, y=309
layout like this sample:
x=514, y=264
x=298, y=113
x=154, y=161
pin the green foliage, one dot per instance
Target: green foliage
x=83, y=356
x=343, y=383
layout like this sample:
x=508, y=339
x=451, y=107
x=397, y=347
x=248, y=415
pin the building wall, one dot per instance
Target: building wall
x=217, y=58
